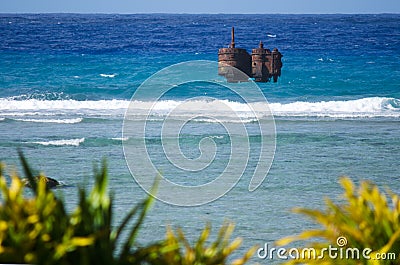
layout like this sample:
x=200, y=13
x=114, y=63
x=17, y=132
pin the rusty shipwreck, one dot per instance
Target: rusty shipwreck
x=262, y=65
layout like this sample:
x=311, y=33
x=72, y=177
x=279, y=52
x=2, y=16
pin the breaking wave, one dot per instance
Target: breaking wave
x=63, y=121
x=359, y=108
x=29, y=107
x=108, y=75
x=71, y=142
x=120, y=138
x=365, y=107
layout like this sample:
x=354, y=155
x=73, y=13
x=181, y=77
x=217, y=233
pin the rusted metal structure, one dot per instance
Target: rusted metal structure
x=262, y=64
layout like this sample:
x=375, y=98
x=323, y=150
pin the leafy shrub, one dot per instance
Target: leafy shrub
x=367, y=220
x=176, y=249
x=37, y=229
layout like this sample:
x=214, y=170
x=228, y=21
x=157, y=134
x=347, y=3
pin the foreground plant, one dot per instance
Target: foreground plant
x=37, y=229
x=33, y=230
x=363, y=230
x=176, y=249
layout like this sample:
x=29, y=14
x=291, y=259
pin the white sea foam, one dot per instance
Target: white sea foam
x=201, y=108
x=120, y=138
x=325, y=60
x=12, y=107
x=271, y=35
x=2, y=119
x=108, y=75
x=71, y=142
x=66, y=121
x=217, y=136
x=365, y=107
x=225, y=119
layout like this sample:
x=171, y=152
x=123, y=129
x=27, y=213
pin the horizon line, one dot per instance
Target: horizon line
x=187, y=13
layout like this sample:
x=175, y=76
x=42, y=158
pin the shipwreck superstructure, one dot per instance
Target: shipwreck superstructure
x=262, y=65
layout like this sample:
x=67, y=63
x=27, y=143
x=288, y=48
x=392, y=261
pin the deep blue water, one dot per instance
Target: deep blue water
x=66, y=81
x=324, y=55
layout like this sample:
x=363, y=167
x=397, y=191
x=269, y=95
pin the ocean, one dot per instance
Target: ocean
x=67, y=80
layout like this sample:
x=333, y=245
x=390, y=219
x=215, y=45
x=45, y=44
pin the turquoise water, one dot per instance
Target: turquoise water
x=66, y=81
